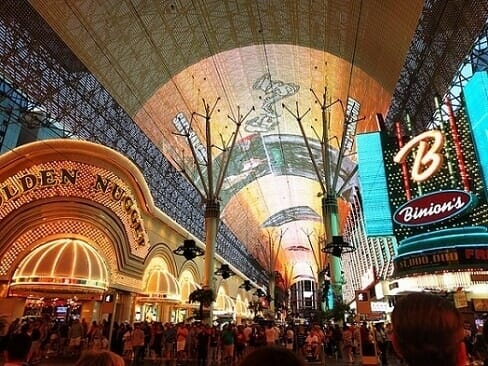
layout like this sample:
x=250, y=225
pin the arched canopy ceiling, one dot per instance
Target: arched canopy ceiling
x=160, y=59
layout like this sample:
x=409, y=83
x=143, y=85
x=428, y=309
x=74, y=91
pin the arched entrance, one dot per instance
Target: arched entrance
x=186, y=309
x=62, y=279
x=160, y=292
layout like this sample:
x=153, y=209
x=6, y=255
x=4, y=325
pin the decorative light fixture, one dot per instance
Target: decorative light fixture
x=189, y=250
x=259, y=293
x=338, y=247
x=224, y=271
x=246, y=285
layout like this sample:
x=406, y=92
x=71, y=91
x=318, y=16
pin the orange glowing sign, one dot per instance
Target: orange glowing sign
x=70, y=179
x=428, y=157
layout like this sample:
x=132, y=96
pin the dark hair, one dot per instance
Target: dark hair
x=269, y=355
x=427, y=330
x=100, y=358
x=18, y=347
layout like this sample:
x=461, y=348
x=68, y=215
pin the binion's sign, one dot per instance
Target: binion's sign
x=433, y=207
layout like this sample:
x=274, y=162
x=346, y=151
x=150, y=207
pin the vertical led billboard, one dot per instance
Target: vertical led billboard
x=476, y=99
x=373, y=186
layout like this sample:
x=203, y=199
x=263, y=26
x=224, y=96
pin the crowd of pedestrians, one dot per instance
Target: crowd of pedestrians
x=204, y=345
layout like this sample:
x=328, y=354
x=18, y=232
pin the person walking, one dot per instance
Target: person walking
x=138, y=345
x=17, y=350
x=75, y=334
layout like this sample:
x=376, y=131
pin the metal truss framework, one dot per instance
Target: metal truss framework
x=34, y=61
x=443, y=38
x=477, y=60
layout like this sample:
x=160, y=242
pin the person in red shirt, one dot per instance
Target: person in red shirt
x=181, y=336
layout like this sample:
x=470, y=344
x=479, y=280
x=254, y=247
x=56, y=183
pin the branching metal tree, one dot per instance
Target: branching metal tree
x=210, y=178
x=328, y=179
x=273, y=248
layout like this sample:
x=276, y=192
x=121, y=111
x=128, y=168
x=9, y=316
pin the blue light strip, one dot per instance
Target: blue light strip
x=373, y=185
x=476, y=97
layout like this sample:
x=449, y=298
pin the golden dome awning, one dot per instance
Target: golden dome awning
x=69, y=266
x=224, y=304
x=161, y=286
x=187, y=286
x=242, y=308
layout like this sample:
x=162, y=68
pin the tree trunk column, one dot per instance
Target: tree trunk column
x=212, y=215
x=331, y=222
x=272, y=286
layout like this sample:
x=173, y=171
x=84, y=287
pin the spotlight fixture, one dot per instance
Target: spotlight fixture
x=268, y=297
x=246, y=285
x=338, y=247
x=224, y=271
x=325, y=273
x=259, y=293
x=189, y=250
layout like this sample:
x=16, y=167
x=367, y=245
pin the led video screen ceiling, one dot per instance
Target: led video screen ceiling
x=270, y=183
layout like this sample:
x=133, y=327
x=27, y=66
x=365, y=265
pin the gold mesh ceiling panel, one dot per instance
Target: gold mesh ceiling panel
x=161, y=59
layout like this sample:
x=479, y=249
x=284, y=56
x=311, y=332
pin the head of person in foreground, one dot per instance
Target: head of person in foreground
x=100, y=358
x=271, y=355
x=428, y=331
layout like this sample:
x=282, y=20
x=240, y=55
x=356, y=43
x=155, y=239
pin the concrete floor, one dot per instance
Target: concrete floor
x=72, y=361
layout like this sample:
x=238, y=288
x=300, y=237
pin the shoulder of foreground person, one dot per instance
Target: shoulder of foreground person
x=269, y=355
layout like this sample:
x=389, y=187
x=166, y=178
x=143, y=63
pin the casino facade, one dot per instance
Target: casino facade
x=85, y=240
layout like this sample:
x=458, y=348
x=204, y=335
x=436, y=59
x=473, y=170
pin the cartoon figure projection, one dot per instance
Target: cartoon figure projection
x=275, y=90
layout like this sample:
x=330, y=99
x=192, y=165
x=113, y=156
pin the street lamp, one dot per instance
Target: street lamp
x=189, y=250
x=224, y=271
x=328, y=179
x=338, y=247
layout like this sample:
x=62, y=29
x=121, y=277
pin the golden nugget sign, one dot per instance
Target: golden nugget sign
x=107, y=189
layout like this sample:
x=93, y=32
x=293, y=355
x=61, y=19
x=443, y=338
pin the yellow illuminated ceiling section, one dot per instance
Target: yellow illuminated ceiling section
x=159, y=59
x=270, y=185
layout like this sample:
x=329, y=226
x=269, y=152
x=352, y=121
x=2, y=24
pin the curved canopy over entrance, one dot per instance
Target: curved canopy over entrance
x=162, y=61
x=187, y=286
x=161, y=285
x=224, y=304
x=62, y=266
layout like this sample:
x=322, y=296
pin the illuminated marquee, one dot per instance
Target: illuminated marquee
x=433, y=207
x=27, y=186
x=427, y=162
x=455, y=257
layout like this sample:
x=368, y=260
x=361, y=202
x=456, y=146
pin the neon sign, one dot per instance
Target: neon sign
x=427, y=162
x=104, y=188
x=434, y=207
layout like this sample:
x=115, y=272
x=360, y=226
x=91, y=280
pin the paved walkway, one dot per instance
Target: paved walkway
x=71, y=361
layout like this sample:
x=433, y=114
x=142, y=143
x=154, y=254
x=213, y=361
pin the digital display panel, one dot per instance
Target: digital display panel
x=270, y=183
x=373, y=187
x=475, y=94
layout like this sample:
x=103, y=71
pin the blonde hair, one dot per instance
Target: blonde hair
x=100, y=358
